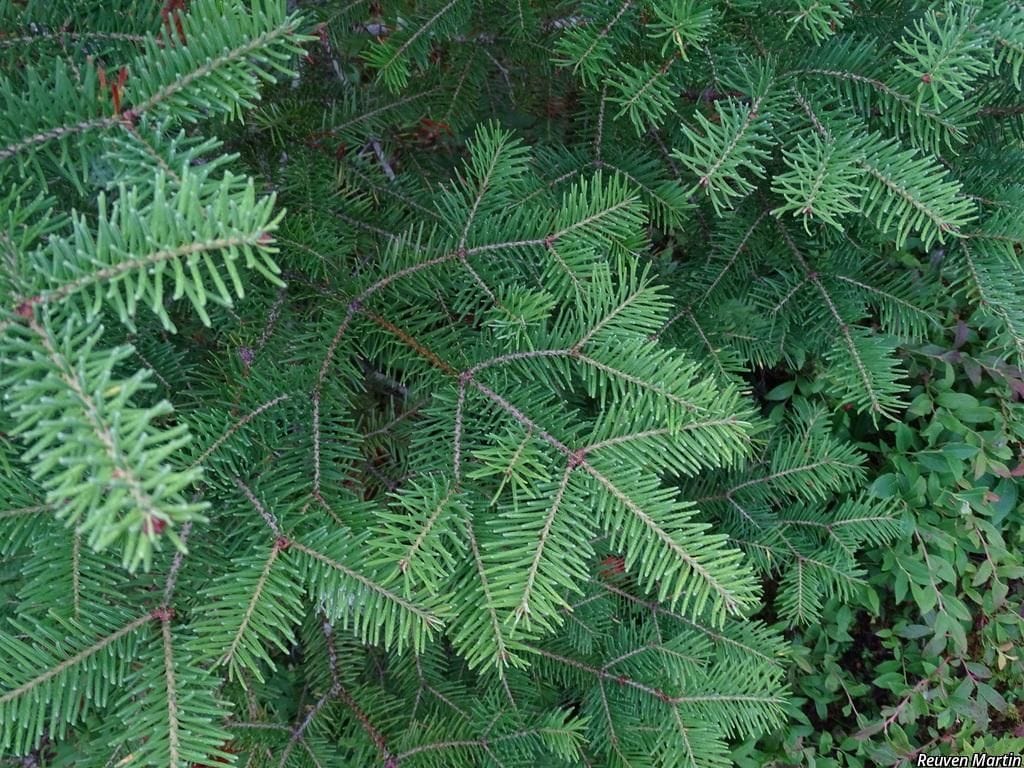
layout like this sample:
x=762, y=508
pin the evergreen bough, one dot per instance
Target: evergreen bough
x=386, y=384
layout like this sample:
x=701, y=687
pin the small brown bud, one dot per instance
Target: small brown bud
x=153, y=525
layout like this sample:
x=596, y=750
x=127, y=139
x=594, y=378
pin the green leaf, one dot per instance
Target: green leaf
x=885, y=486
x=781, y=392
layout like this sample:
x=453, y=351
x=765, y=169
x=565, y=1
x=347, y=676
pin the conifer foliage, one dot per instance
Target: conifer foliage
x=455, y=383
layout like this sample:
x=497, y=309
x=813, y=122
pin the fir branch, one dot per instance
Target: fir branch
x=522, y=610
x=73, y=661
x=428, y=620
x=172, y=697
x=216, y=444
x=602, y=35
x=56, y=133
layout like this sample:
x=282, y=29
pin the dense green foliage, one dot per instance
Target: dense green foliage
x=456, y=383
